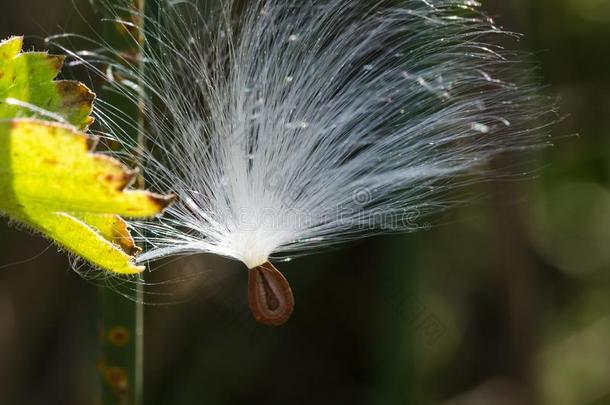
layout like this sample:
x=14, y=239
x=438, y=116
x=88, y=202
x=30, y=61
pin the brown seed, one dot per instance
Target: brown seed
x=269, y=295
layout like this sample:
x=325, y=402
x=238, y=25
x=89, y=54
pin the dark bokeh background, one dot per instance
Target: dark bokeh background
x=508, y=303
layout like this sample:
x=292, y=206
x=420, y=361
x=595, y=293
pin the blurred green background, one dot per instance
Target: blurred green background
x=507, y=301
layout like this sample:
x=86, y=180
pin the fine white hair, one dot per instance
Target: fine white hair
x=285, y=126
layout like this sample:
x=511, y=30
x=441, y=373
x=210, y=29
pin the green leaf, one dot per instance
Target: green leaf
x=27, y=79
x=50, y=178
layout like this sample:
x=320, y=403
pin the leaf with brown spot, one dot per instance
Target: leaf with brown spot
x=51, y=181
x=26, y=79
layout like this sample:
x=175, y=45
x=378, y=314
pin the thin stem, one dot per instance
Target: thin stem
x=122, y=319
x=139, y=336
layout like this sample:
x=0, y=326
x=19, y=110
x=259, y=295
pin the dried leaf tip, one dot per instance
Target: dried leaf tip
x=269, y=295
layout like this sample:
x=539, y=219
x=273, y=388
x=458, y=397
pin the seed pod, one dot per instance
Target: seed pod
x=269, y=295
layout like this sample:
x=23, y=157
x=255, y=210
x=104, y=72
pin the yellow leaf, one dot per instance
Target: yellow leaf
x=46, y=170
x=49, y=167
x=81, y=239
x=50, y=179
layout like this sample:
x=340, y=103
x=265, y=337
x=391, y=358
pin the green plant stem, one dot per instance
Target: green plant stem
x=121, y=339
x=122, y=319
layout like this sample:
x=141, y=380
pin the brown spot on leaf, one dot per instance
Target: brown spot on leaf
x=51, y=161
x=109, y=177
x=75, y=93
x=162, y=201
x=57, y=62
x=122, y=237
x=124, y=179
